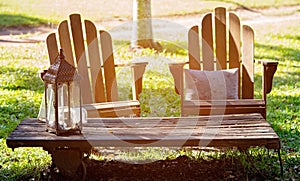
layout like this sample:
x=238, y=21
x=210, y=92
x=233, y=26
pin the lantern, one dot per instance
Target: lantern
x=63, y=107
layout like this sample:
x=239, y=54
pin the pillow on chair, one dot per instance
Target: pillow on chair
x=211, y=85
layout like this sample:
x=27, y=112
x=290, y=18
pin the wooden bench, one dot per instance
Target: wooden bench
x=242, y=131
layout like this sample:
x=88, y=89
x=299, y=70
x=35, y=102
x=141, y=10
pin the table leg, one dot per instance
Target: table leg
x=67, y=164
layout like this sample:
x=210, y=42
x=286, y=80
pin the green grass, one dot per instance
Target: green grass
x=23, y=163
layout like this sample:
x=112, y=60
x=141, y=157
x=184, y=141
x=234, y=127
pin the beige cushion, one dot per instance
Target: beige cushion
x=211, y=85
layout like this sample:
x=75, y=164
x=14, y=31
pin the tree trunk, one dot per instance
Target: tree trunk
x=142, y=26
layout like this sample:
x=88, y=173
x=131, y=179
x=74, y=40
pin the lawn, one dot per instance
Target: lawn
x=21, y=88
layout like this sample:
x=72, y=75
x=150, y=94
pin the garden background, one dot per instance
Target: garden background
x=24, y=27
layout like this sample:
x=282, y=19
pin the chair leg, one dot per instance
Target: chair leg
x=281, y=166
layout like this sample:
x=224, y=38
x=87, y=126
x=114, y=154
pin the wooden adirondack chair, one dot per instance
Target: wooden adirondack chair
x=222, y=49
x=96, y=67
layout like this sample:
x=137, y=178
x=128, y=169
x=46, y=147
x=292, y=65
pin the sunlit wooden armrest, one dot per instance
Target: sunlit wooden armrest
x=138, y=70
x=176, y=70
x=269, y=69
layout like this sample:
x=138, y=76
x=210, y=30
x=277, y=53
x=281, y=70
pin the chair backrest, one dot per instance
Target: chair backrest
x=222, y=43
x=221, y=48
x=96, y=86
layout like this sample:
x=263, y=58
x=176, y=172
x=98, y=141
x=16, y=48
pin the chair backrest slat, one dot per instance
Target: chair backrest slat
x=193, y=46
x=235, y=44
x=95, y=61
x=108, y=64
x=207, y=43
x=234, y=41
x=248, y=63
x=65, y=41
x=52, y=47
x=220, y=34
x=80, y=55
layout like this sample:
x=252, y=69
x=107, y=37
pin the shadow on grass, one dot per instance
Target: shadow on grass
x=15, y=21
x=177, y=47
x=280, y=52
x=292, y=37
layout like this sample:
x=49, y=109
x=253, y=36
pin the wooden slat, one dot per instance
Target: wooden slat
x=249, y=128
x=65, y=41
x=235, y=45
x=161, y=133
x=95, y=63
x=77, y=34
x=193, y=48
x=225, y=121
x=103, y=134
x=120, y=112
x=110, y=113
x=222, y=123
x=113, y=109
x=111, y=105
x=229, y=102
x=198, y=107
x=207, y=43
x=220, y=111
x=248, y=63
x=234, y=41
x=52, y=47
x=220, y=34
x=109, y=66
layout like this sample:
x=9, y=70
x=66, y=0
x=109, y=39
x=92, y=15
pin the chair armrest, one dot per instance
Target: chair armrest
x=176, y=70
x=138, y=69
x=269, y=69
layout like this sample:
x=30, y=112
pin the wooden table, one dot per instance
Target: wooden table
x=241, y=131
